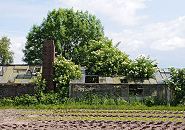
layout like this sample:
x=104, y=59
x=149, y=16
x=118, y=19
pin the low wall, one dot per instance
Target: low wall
x=12, y=90
x=78, y=90
x=125, y=91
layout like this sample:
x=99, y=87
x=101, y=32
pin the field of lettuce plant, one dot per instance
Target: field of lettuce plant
x=74, y=119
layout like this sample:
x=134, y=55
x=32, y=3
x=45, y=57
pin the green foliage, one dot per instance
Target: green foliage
x=50, y=98
x=68, y=28
x=176, y=82
x=154, y=101
x=79, y=36
x=65, y=70
x=53, y=101
x=149, y=101
x=142, y=68
x=25, y=100
x=102, y=58
x=40, y=86
x=33, y=46
x=5, y=53
x=55, y=98
x=6, y=101
x=94, y=99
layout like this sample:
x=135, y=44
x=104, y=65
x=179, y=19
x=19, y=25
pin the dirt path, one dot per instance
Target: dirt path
x=55, y=120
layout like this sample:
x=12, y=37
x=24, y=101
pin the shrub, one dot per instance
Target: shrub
x=121, y=102
x=40, y=86
x=65, y=70
x=25, y=100
x=142, y=68
x=149, y=101
x=154, y=101
x=50, y=98
x=176, y=82
x=6, y=102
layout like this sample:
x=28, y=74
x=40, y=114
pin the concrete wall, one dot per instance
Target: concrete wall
x=125, y=91
x=12, y=90
x=77, y=90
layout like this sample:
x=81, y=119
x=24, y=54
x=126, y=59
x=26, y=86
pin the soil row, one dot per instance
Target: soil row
x=123, y=111
x=109, y=115
x=93, y=125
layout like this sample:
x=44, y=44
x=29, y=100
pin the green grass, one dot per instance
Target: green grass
x=98, y=115
x=95, y=107
x=53, y=101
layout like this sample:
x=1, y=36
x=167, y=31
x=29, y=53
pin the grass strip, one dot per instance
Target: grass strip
x=97, y=107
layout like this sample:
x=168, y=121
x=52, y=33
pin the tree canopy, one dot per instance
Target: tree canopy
x=142, y=68
x=5, y=53
x=68, y=28
x=79, y=37
x=102, y=58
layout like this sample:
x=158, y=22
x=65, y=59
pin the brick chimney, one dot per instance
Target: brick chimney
x=47, y=65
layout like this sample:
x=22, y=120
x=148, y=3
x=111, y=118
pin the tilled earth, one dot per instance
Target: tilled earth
x=91, y=120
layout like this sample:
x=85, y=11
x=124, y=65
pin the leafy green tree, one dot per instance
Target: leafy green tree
x=78, y=37
x=5, y=53
x=34, y=45
x=141, y=68
x=102, y=58
x=65, y=70
x=68, y=28
x=176, y=82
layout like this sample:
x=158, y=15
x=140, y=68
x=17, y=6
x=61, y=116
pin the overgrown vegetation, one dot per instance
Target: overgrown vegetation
x=41, y=99
x=65, y=70
x=40, y=86
x=80, y=40
x=154, y=101
x=176, y=82
x=53, y=101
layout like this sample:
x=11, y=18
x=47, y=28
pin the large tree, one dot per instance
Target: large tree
x=68, y=28
x=6, y=54
x=78, y=37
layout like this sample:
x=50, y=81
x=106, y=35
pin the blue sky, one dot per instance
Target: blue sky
x=154, y=28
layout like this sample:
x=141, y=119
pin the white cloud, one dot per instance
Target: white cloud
x=128, y=40
x=167, y=35
x=123, y=12
x=169, y=44
x=163, y=36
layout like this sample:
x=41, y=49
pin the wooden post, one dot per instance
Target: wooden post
x=48, y=62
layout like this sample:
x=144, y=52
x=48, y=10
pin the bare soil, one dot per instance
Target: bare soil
x=55, y=120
